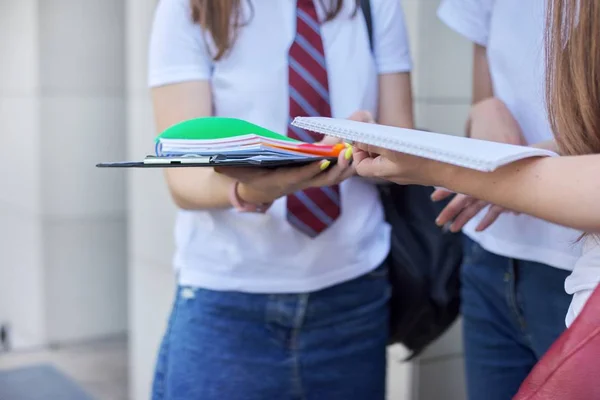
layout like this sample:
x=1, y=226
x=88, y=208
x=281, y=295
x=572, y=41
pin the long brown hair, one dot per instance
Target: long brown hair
x=222, y=18
x=573, y=74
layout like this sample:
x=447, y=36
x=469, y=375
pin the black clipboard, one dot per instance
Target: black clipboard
x=213, y=161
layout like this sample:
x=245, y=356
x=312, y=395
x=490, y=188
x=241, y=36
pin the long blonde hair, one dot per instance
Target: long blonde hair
x=573, y=74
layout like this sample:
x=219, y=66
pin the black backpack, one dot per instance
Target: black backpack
x=424, y=261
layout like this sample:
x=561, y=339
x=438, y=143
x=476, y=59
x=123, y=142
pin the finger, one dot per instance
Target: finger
x=466, y=215
x=241, y=174
x=308, y=171
x=454, y=207
x=329, y=140
x=288, y=178
x=374, y=167
x=374, y=151
x=348, y=173
x=360, y=146
x=345, y=158
x=490, y=217
x=362, y=158
x=358, y=155
x=440, y=194
x=370, y=149
x=367, y=148
x=330, y=178
x=347, y=163
x=336, y=173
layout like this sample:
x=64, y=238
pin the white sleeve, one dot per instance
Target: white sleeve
x=390, y=41
x=584, y=278
x=577, y=303
x=470, y=18
x=178, y=51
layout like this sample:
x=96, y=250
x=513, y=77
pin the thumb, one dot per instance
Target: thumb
x=378, y=167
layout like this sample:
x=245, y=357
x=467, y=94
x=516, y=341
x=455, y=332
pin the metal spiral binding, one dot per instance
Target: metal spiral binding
x=419, y=151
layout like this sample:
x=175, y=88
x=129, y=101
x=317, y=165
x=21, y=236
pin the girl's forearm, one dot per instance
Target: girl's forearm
x=563, y=190
x=198, y=188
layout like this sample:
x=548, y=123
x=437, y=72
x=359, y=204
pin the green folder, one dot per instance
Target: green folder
x=217, y=128
x=224, y=135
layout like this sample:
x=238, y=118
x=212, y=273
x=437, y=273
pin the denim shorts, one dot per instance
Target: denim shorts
x=329, y=344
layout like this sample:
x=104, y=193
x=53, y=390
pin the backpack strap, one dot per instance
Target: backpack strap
x=365, y=5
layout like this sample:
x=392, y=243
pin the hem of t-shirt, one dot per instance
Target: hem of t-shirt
x=460, y=24
x=169, y=76
x=579, y=287
x=198, y=278
x=505, y=248
x=575, y=310
x=577, y=282
x=394, y=68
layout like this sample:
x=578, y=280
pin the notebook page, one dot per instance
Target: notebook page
x=470, y=153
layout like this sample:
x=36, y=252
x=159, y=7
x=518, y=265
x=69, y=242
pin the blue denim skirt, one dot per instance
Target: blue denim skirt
x=329, y=344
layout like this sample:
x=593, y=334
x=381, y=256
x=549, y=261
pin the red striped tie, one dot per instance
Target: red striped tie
x=313, y=210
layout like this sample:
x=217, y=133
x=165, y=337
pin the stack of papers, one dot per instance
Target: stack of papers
x=212, y=141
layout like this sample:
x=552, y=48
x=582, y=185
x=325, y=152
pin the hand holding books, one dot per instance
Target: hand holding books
x=261, y=185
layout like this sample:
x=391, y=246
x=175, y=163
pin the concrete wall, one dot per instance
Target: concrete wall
x=63, y=244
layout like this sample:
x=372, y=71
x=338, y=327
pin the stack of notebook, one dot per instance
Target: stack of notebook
x=221, y=141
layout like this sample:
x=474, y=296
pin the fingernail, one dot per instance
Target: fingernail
x=348, y=153
x=437, y=222
x=325, y=164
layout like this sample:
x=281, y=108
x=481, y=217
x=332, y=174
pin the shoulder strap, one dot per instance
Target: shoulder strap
x=365, y=5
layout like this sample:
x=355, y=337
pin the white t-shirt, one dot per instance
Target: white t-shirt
x=513, y=33
x=228, y=250
x=584, y=278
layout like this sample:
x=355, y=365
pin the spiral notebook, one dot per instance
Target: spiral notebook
x=465, y=152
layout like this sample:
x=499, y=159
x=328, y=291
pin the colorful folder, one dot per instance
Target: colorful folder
x=212, y=141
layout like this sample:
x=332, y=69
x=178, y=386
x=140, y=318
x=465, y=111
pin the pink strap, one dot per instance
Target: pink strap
x=243, y=206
